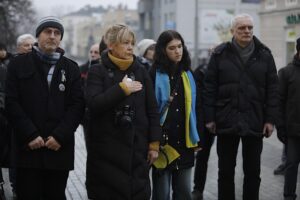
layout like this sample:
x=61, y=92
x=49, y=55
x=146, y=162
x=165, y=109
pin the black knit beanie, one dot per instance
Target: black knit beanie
x=49, y=21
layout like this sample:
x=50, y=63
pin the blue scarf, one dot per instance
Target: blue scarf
x=162, y=92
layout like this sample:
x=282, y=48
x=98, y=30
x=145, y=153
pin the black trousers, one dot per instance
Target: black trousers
x=38, y=184
x=201, y=163
x=227, y=148
x=291, y=172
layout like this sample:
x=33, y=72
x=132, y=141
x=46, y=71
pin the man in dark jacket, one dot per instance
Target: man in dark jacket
x=94, y=57
x=289, y=126
x=240, y=102
x=45, y=104
x=206, y=142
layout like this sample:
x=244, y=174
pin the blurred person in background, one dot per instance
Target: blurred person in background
x=44, y=103
x=94, y=58
x=124, y=129
x=5, y=58
x=240, y=99
x=25, y=43
x=288, y=128
x=145, y=49
x=175, y=87
x=207, y=138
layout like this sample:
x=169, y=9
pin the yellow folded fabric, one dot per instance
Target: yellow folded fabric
x=162, y=162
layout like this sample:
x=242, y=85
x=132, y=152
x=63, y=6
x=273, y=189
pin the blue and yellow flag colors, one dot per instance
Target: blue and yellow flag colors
x=162, y=92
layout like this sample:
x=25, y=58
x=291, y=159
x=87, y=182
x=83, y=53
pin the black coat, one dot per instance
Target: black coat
x=174, y=125
x=5, y=129
x=289, y=84
x=117, y=165
x=35, y=110
x=241, y=97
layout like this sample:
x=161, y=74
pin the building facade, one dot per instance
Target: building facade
x=87, y=26
x=280, y=27
x=205, y=22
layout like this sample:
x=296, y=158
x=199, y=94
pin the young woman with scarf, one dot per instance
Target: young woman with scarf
x=172, y=75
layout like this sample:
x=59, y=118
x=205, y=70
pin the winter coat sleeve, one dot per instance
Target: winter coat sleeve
x=210, y=88
x=74, y=109
x=155, y=131
x=271, y=101
x=283, y=89
x=24, y=126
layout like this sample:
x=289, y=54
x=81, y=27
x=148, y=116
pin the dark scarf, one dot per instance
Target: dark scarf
x=245, y=52
x=47, y=58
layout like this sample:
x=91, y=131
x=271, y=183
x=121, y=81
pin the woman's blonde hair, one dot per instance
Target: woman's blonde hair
x=118, y=33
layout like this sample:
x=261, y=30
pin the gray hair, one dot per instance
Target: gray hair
x=239, y=16
x=118, y=33
x=24, y=37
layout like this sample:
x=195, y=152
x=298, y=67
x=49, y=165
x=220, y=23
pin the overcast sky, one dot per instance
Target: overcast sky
x=60, y=7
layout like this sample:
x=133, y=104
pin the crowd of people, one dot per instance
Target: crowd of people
x=144, y=113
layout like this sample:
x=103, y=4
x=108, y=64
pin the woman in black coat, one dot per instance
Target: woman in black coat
x=124, y=129
x=172, y=76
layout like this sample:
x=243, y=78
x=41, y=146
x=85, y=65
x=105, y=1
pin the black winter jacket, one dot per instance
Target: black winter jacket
x=117, y=165
x=289, y=83
x=174, y=125
x=241, y=97
x=34, y=109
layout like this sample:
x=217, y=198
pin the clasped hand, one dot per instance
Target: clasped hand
x=49, y=143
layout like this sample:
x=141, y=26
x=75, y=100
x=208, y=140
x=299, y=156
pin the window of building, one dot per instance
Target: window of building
x=291, y=2
x=270, y=4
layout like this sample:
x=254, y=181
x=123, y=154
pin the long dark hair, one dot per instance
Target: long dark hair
x=161, y=60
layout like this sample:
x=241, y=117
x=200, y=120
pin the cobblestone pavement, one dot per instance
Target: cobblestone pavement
x=271, y=186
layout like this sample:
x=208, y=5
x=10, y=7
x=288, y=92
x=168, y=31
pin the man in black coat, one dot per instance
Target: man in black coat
x=45, y=104
x=240, y=103
x=288, y=129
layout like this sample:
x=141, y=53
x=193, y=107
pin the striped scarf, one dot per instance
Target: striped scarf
x=162, y=92
x=47, y=58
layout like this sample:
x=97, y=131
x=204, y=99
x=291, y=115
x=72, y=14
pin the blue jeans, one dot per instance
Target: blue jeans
x=181, y=184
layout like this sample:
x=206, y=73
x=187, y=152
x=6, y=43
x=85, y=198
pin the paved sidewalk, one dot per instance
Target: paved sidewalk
x=271, y=186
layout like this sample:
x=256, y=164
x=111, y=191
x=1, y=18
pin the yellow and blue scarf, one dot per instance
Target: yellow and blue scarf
x=163, y=91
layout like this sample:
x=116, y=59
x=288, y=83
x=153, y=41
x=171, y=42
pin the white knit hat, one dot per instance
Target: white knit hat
x=143, y=45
